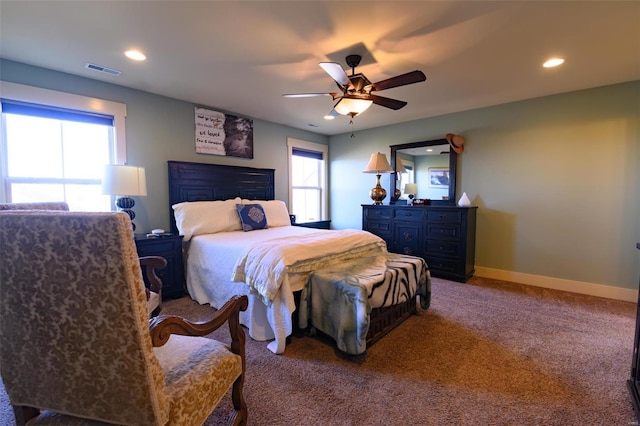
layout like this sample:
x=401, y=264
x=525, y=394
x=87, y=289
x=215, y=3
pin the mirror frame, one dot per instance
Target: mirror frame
x=453, y=169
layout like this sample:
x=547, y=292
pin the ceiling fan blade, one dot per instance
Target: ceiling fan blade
x=387, y=102
x=399, y=80
x=309, y=95
x=336, y=72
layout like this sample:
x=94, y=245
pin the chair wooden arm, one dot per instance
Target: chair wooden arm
x=163, y=326
x=150, y=265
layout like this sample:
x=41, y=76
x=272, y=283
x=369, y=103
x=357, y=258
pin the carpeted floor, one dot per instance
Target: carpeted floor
x=485, y=353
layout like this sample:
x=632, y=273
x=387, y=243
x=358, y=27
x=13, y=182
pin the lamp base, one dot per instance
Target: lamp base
x=125, y=204
x=378, y=193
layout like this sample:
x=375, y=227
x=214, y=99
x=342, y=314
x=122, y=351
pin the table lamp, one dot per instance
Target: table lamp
x=411, y=189
x=378, y=164
x=124, y=182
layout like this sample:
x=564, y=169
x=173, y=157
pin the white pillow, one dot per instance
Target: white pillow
x=275, y=210
x=206, y=217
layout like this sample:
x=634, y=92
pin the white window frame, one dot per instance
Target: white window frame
x=37, y=95
x=316, y=147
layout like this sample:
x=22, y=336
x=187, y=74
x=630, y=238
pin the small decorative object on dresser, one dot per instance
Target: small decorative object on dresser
x=444, y=236
x=464, y=200
x=168, y=246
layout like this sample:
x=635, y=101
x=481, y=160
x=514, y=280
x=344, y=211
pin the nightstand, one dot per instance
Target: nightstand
x=169, y=247
x=319, y=224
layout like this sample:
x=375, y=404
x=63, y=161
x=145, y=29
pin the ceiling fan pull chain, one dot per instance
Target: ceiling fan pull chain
x=351, y=124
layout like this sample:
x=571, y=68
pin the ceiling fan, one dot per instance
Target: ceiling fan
x=356, y=91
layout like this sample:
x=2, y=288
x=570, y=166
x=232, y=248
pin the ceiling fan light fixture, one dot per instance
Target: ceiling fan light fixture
x=352, y=106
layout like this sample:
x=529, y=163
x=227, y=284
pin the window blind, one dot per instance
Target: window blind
x=308, y=154
x=10, y=106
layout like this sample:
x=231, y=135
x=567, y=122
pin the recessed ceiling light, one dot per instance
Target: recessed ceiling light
x=429, y=149
x=554, y=62
x=329, y=117
x=135, y=55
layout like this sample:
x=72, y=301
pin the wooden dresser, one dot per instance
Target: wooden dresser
x=444, y=236
x=633, y=383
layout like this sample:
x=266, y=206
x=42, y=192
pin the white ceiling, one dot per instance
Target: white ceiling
x=241, y=56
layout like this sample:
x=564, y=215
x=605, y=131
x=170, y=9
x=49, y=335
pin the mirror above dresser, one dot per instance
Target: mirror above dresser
x=433, y=165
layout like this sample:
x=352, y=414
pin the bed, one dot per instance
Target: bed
x=223, y=259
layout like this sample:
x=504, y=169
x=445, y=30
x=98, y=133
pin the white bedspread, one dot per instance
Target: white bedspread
x=211, y=262
x=265, y=265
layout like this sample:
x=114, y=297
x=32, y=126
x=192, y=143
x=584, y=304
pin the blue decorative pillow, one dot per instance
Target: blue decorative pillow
x=252, y=216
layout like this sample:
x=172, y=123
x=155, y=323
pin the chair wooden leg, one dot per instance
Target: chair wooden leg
x=23, y=414
x=239, y=416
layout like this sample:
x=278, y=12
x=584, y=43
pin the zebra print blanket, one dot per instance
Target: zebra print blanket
x=338, y=300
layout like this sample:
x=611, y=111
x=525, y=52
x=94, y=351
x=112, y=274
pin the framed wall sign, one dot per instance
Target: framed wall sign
x=223, y=134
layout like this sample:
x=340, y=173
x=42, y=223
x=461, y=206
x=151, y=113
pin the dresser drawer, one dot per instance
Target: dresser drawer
x=444, y=231
x=379, y=228
x=413, y=214
x=443, y=248
x=373, y=213
x=439, y=264
x=449, y=216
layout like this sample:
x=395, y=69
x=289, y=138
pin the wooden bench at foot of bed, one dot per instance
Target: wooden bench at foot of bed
x=359, y=301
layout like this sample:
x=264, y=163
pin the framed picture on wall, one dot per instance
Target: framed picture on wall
x=439, y=177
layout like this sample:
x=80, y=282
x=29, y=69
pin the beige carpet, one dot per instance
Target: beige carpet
x=485, y=353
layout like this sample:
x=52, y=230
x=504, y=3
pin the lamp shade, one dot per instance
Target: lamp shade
x=123, y=180
x=411, y=188
x=400, y=166
x=378, y=164
x=352, y=106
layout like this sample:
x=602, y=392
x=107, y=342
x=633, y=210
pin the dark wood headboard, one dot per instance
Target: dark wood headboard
x=211, y=182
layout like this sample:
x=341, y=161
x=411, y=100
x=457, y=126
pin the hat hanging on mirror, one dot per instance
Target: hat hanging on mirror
x=456, y=142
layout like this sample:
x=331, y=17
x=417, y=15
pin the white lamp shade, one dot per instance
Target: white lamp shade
x=352, y=106
x=411, y=188
x=123, y=180
x=378, y=164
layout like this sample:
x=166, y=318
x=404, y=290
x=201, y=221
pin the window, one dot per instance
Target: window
x=55, y=145
x=307, y=177
x=406, y=177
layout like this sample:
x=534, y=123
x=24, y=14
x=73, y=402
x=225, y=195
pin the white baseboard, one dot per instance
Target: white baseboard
x=599, y=290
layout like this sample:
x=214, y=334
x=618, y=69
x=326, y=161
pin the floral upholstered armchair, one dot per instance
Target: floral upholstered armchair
x=43, y=205
x=149, y=263
x=76, y=343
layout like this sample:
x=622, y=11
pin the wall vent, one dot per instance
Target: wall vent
x=100, y=68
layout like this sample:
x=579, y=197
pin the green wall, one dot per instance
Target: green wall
x=556, y=180
x=161, y=129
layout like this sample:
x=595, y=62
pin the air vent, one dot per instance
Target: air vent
x=100, y=68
